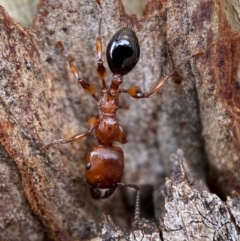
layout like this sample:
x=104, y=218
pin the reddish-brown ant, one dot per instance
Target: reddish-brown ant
x=105, y=162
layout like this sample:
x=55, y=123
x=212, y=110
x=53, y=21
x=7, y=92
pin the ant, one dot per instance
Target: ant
x=105, y=162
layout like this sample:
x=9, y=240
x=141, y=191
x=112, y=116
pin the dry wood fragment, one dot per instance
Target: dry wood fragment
x=194, y=214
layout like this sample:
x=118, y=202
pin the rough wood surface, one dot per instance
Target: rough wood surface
x=40, y=101
x=22, y=11
x=194, y=214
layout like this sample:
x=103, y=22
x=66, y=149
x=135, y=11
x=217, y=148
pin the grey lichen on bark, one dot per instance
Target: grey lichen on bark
x=40, y=101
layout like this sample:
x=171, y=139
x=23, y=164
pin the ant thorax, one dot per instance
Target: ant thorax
x=108, y=104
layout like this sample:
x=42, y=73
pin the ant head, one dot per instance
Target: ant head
x=98, y=193
x=123, y=51
x=104, y=168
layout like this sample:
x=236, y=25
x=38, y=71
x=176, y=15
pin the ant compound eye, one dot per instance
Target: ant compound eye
x=123, y=51
x=89, y=165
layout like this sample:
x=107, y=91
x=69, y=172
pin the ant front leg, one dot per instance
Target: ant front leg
x=92, y=123
x=136, y=92
x=122, y=136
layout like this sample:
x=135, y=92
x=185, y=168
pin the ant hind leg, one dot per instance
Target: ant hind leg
x=137, y=93
x=101, y=71
x=86, y=86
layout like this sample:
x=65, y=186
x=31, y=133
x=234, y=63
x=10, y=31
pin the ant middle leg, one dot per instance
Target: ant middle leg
x=92, y=123
x=137, y=93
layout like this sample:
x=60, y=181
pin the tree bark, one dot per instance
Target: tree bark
x=197, y=111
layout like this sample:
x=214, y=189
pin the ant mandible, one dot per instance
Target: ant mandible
x=105, y=162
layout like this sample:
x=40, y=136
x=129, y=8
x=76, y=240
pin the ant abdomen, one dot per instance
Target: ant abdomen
x=123, y=51
x=108, y=160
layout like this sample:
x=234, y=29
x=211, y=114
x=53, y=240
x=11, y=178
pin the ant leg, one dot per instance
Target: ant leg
x=136, y=92
x=137, y=203
x=64, y=141
x=86, y=86
x=122, y=136
x=92, y=123
x=101, y=71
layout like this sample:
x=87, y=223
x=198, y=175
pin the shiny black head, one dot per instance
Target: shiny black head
x=123, y=51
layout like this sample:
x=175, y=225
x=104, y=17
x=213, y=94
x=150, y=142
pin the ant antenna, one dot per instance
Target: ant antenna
x=137, y=209
x=137, y=202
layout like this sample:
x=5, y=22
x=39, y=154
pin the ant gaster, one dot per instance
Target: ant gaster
x=105, y=162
